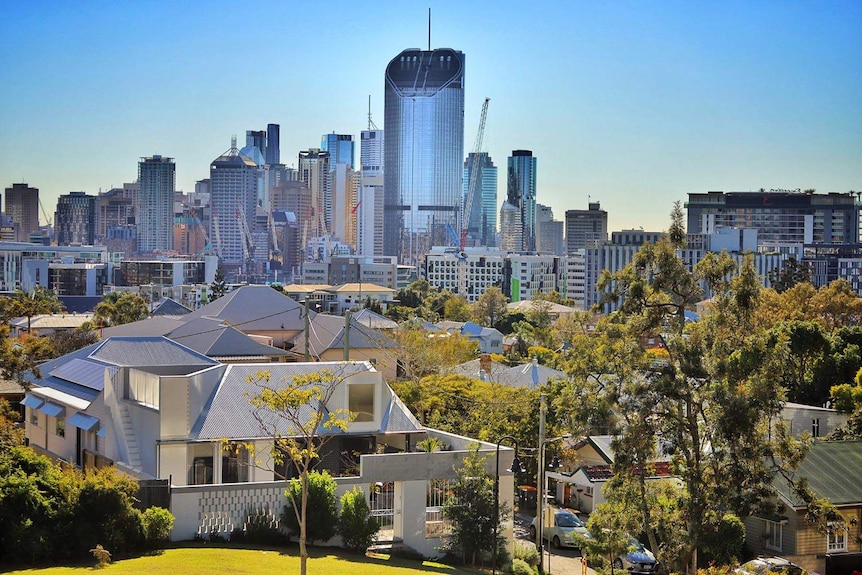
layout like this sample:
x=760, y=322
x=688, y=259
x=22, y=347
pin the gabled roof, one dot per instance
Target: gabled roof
x=160, y=325
x=168, y=306
x=54, y=321
x=659, y=469
x=374, y=320
x=211, y=337
x=229, y=415
x=146, y=352
x=327, y=332
x=255, y=308
x=832, y=469
x=531, y=374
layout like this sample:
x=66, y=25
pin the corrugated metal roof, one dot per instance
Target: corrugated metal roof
x=83, y=372
x=211, y=337
x=149, y=351
x=255, y=308
x=83, y=421
x=32, y=401
x=229, y=414
x=832, y=469
x=170, y=307
x=398, y=418
x=161, y=325
x=51, y=409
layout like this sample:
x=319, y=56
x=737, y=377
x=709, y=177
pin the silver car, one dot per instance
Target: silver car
x=564, y=530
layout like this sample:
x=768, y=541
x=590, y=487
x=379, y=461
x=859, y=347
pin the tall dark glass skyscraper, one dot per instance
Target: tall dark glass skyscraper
x=424, y=152
x=273, y=153
x=521, y=192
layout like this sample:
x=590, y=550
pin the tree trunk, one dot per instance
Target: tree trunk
x=303, y=550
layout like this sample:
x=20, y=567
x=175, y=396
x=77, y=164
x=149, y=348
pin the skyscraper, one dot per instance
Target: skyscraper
x=233, y=197
x=154, y=207
x=342, y=184
x=424, y=154
x=369, y=206
x=482, y=219
x=341, y=149
x=521, y=191
x=75, y=219
x=273, y=154
x=314, y=173
x=257, y=139
x=22, y=204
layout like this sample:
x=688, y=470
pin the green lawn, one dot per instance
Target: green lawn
x=240, y=561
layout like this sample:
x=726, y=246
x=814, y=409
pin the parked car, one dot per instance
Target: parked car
x=771, y=566
x=637, y=559
x=561, y=528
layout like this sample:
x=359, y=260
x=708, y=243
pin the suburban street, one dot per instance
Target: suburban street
x=556, y=561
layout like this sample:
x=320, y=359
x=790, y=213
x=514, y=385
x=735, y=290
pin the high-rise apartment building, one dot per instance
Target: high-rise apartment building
x=75, y=219
x=521, y=192
x=370, y=195
x=154, y=206
x=273, y=152
x=549, y=232
x=511, y=232
x=22, y=204
x=482, y=219
x=313, y=168
x=233, y=198
x=781, y=217
x=343, y=183
x=424, y=153
x=586, y=228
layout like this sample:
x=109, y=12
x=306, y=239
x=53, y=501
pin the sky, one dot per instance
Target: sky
x=631, y=104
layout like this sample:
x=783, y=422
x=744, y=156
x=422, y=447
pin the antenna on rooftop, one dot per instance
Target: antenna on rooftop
x=429, y=28
x=371, y=124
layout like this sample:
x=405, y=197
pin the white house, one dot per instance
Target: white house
x=158, y=410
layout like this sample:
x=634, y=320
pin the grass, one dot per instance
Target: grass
x=206, y=560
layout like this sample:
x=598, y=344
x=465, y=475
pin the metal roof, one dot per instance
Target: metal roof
x=171, y=307
x=832, y=469
x=148, y=352
x=83, y=421
x=51, y=409
x=83, y=372
x=212, y=337
x=255, y=308
x=229, y=415
x=32, y=401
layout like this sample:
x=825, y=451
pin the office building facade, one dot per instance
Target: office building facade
x=154, y=204
x=75, y=219
x=22, y=204
x=586, y=228
x=424, y=153
x=233, y=198
x=273, y=150
x=482, y=219
x=521, y=192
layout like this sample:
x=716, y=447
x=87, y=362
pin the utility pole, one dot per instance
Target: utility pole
x=347, y=335
x=307, y=332
x=540, y=487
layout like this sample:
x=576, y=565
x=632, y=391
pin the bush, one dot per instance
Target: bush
x=322, y=516
x=724, y=545
x=158, y=523
x=527, y=552
x=259, y=528
x=355, y=523
x=521, y=567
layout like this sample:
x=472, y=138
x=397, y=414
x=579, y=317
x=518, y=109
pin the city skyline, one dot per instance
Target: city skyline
x=628, y=105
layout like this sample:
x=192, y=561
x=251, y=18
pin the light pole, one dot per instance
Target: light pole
x=516, y=466
x=540, y=495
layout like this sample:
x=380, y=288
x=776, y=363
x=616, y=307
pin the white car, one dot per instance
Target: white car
x=771, y=566
x=637, y=560
x=562, y=528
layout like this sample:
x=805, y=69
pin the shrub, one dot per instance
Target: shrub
x=527, y=552
x=158, y=523
x=724, y=545
x=102, y=555
x=355, y=523
x=260, y=528
x=322, y=516
x=521, y=567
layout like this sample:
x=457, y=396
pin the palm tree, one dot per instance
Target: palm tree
x=27, y=304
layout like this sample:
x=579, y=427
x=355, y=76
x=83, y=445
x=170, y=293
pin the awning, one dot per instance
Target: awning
x=52, y=409
x=83, y=421
x=31, y=401
x=103, y=431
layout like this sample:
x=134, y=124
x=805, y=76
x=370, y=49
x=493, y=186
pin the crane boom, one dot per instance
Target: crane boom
x=475, y=176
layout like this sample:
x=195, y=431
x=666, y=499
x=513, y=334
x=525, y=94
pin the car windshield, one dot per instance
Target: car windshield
x=569, y=520
x=635, y=546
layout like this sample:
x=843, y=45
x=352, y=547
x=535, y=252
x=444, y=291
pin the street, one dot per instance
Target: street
x=555, y=561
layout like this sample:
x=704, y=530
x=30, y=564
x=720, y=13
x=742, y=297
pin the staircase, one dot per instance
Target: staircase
x=134, y=451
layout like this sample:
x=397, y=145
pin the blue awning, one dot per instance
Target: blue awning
x=83, y=421
x=103, y=431
x=31, y=401
x=52, y=409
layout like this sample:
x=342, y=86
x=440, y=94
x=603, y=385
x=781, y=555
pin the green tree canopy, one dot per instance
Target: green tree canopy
x=118, y=308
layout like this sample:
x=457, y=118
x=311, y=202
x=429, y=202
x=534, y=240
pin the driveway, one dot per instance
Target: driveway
x=555, y=561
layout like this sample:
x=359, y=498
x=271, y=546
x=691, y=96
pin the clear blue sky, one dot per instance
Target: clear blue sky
x=633, y=104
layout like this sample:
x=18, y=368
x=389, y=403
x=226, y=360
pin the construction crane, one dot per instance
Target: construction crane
x=247, y=240
x=475, y=177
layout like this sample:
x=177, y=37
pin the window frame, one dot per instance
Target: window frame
x=770, y=530
x=835, y=531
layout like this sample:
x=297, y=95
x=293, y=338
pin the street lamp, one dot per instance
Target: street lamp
x=540, y=494
x=517, y=465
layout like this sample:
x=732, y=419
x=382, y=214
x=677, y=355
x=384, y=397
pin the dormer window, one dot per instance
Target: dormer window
x=360, y=401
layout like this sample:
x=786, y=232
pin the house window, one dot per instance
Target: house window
x=201, y=464
x=234, y=463
x=360, y=401
x=143, y=388
x=836, y=536
x=60, y=427
x=34, y=417
x=772, y=534
x=815, y=427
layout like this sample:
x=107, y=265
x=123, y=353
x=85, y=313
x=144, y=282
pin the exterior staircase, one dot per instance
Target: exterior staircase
x=134, y=451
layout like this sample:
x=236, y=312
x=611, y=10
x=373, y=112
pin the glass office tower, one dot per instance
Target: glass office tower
x=521, y=188
x=424, y=153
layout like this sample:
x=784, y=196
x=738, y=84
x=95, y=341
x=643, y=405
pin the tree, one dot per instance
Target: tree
x=356, y=525
x=17, y=357
x=295, y=415
x=218, y=288
x=456, y=308
x=421, y=352
x=28, y=304
x=118, y=308
x=67, y=341
x=490, y=308
x=321, y=515
x=470, y=512
x=790, y=274
x=11, y=435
